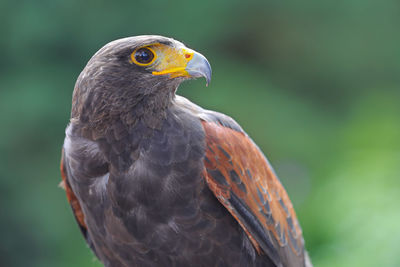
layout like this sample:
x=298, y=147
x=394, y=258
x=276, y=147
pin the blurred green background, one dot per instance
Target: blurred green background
x=315, y=83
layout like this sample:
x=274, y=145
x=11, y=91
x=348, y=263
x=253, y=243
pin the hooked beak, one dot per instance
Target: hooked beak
x=199, y=66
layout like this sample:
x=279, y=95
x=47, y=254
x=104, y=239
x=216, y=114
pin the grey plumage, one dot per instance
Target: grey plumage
x=133, y=157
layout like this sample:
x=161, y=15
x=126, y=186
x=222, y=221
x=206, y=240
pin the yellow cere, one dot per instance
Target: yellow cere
x=171, y=60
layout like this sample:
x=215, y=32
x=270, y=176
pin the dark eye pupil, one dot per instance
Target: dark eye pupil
x=144, y=55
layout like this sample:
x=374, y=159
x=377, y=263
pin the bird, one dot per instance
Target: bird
x=155, y=180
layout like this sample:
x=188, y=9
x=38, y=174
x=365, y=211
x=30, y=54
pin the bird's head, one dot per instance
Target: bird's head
x=129, y=71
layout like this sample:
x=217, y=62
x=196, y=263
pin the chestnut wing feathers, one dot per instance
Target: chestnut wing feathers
x=74, y=202
x=243, y=181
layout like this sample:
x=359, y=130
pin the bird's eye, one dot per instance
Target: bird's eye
x=143, y=56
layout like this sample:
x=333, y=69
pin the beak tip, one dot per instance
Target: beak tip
x=207, y=76
x=199, y=67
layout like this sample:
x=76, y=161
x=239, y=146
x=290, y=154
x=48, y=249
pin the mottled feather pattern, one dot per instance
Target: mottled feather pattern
x=236, y=167
x=159, y=208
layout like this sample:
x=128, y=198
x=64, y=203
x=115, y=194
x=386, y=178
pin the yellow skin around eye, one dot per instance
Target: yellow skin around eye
x=167, y=60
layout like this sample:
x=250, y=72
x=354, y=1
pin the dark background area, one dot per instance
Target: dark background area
x=315, y=83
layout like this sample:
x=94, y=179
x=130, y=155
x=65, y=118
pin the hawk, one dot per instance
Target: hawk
x=155, y=180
